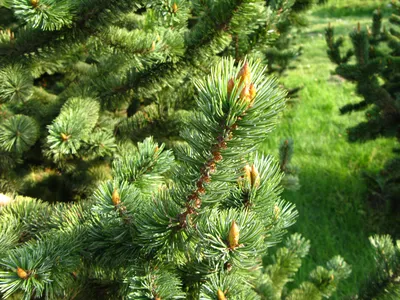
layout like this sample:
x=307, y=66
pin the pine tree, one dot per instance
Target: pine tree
x=375, y=72
x=193, y=227
x=290, y=17
x=81, y=82
x=290, y=181
x=280, y=268
x=384, y=282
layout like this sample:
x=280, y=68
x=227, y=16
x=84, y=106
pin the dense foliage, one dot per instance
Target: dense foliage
x=195, y=227
x=112, y=104
x=384, y=281
x=82, y=81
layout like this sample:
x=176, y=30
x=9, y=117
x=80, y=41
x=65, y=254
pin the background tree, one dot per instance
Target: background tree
x=384, y=281
x=290, y=180
x=375, y=71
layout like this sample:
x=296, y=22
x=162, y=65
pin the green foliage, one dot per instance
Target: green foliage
x=107, y=74
x=99, y=75
x=18, y=133
x=155, y=283
x=44, y=14
x=384, y=280
x=198, y=234
x=72, y=127
x=144, y=167
x=16, y=84
x=280, y=269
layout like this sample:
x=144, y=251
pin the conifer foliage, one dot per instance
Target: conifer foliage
x=384, y=282
x=193, y=227
x=376, y=74
x=83, y=81
x=290, y=181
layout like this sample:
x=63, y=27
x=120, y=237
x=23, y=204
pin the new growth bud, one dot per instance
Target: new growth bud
x=247, y=173
x=249, y=91
x=255, y=176
x=248, y=94
x=233, y=237
x=115, y=197
x=252, y=176
x=65, y=137
x=22, y=273
x=174, y=8
x=221, y=295
x=231, y=85
x=244, y=74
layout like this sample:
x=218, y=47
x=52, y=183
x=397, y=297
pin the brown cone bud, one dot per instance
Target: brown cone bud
x=233, y=237
x=245, y=94
x=65, y=137
x=197, y=203
x=255, y=176
x=115, y=197
x=217, y=156
x=35, y=3
x=252, y=93
x=231, y=85
x=22, y=273
x=244, y=74
x=221, y=295
x=174, y=7
x=247, y=173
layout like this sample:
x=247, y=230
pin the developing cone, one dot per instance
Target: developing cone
x=22, y=273
x=252, y=93
x=233, y=237
x=221, y=295
x=255, y=176
x=247, y=173
x=174, y=7
x=115, y=197
x=231, y=85
x=247, y=94
x=65, y=137
x=244, y=74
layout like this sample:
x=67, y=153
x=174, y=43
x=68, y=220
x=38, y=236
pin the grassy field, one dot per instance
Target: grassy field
x=331, y=201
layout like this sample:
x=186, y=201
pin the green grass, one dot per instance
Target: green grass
x=332, y=200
